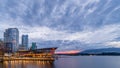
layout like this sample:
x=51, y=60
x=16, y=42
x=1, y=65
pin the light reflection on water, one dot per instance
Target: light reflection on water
x=26, y=64
x=68, y=62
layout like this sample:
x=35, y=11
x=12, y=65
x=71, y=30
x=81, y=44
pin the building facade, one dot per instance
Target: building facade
x=11, y=39
x=34, y=46
x=1, y=48
x=25, y=42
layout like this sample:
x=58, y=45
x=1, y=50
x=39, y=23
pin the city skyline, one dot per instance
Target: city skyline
x=59, y=33
x=91, y=24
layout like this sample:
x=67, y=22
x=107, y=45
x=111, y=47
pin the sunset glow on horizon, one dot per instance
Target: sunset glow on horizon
x=68, y=52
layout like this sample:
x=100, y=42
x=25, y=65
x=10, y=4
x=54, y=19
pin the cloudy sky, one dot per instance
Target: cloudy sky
x=89, y=23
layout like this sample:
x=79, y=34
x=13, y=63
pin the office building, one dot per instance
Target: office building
x=25, y=42
x=34, y=46
x=11, y=39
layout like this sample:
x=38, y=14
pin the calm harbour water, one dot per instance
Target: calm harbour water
x=69, y=62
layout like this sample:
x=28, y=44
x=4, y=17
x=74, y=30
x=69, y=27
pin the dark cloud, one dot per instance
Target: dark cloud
x=69, y=16
x=62, y=14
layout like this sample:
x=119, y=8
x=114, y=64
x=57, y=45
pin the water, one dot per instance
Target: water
x=69, y=62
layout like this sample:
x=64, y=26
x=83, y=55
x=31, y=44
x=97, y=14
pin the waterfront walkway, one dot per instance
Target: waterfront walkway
x=25, y=59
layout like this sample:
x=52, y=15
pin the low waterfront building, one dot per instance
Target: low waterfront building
x=46, y=50
x=42, y=52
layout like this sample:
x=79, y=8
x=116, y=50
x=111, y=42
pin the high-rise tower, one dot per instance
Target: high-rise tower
x=11, y=39
x=25, y=41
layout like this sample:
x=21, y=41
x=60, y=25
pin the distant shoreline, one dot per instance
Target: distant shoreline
x=93, y=54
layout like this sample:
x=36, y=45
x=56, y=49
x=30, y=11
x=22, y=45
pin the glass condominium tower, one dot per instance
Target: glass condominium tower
x=25, y=42
x=11, y=39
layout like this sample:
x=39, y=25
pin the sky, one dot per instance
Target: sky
x=83, y=24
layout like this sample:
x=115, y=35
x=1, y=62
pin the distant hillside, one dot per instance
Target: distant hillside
x=103, y=50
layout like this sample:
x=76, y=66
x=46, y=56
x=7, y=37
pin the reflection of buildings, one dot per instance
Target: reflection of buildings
x=27, y=64
x=25, y=42
x=11, y=39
